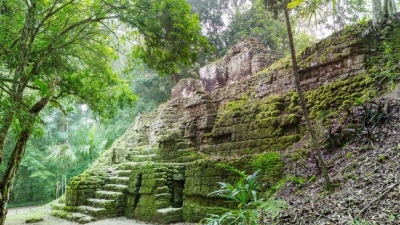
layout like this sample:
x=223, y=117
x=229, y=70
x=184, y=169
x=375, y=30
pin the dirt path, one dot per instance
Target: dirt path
x=18, y=216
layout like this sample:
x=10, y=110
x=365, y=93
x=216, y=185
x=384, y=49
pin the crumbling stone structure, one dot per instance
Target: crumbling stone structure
x=243, y=107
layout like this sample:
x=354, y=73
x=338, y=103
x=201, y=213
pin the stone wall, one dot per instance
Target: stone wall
x=242, y=60
x=337, y=57
x=242, y=107
x=152, y=189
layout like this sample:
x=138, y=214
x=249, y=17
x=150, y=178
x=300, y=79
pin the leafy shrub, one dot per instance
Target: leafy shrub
x=245, y=194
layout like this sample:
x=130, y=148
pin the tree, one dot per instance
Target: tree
x=215, y=16
x=255, y=22
x=283, y=5
x=62, y=49
x=77, y=144
x=381, y=13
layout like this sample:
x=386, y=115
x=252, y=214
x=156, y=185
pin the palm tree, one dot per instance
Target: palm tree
x=77, y=144
x=64, y=157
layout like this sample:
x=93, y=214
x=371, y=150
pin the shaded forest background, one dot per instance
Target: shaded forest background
x=69, y=143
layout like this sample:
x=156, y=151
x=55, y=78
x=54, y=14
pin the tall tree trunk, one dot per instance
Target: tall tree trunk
x=4, y=131
x=377, y=12
x=389, y=8
x=19, y=79
x=316, y=144
x=7, y=181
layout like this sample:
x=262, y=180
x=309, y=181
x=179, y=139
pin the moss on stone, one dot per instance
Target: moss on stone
x=193, y=211
x=34, y=220
x=267, y=122
x=287, y=120
x=60, y=214
x=244, y=128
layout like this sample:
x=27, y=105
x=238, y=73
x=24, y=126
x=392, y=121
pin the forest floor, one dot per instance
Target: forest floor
x=18, y=216
x=366, y=173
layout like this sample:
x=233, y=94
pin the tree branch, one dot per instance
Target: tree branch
x=388, y=189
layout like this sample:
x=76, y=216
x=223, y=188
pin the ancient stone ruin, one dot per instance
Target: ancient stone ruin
x=243, y=107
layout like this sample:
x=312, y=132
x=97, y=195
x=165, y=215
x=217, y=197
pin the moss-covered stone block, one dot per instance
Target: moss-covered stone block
x=287, y=120
x=268, y=122
x=193, y=211
x=82, y=187
x=168, y=215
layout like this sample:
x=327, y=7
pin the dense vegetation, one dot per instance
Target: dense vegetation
x=59, y=54
x=57, y=61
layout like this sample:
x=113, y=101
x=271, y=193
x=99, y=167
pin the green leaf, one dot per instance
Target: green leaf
x=43, y=87
x=56, y=104
x=294, y=3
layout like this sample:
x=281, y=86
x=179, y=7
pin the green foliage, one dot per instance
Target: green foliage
x=369, y=114
x=343, y=12
x=299, y=181
x=245, y=21
x=310, y=9
x=255, y=22
x=389, y=69
x=60, y=53
x=171, y=34
x=271, y=167
x=360, y=222
x=244, y=194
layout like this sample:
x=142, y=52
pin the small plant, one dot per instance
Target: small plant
x=382, y=158
x=244, y=193
x=391, y=218
x=360, y=222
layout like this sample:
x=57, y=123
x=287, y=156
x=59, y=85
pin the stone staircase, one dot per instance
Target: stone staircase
x=103, y=192
x=108, y=202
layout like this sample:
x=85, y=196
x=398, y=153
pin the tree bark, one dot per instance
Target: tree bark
x=19, y=79
x=4, y=131
x=316, y=144
x=7, y=182
x=389, y=8
x=377, y=12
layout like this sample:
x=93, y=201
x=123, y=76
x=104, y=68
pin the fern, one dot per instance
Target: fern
x=232, y=169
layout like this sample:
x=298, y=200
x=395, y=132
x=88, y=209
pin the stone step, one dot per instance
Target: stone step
x=118, y=180
x=123, y=173
x=143, y=158
x=92, y=211
x=109, y=195
x=57, y=206
x=169, y=215
x=76, y=217
x=126, y=165
x=81, y=218
x=115, y=187
x=101, y=203
x=169, y=210
x=147, y=151
x=162, y=196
